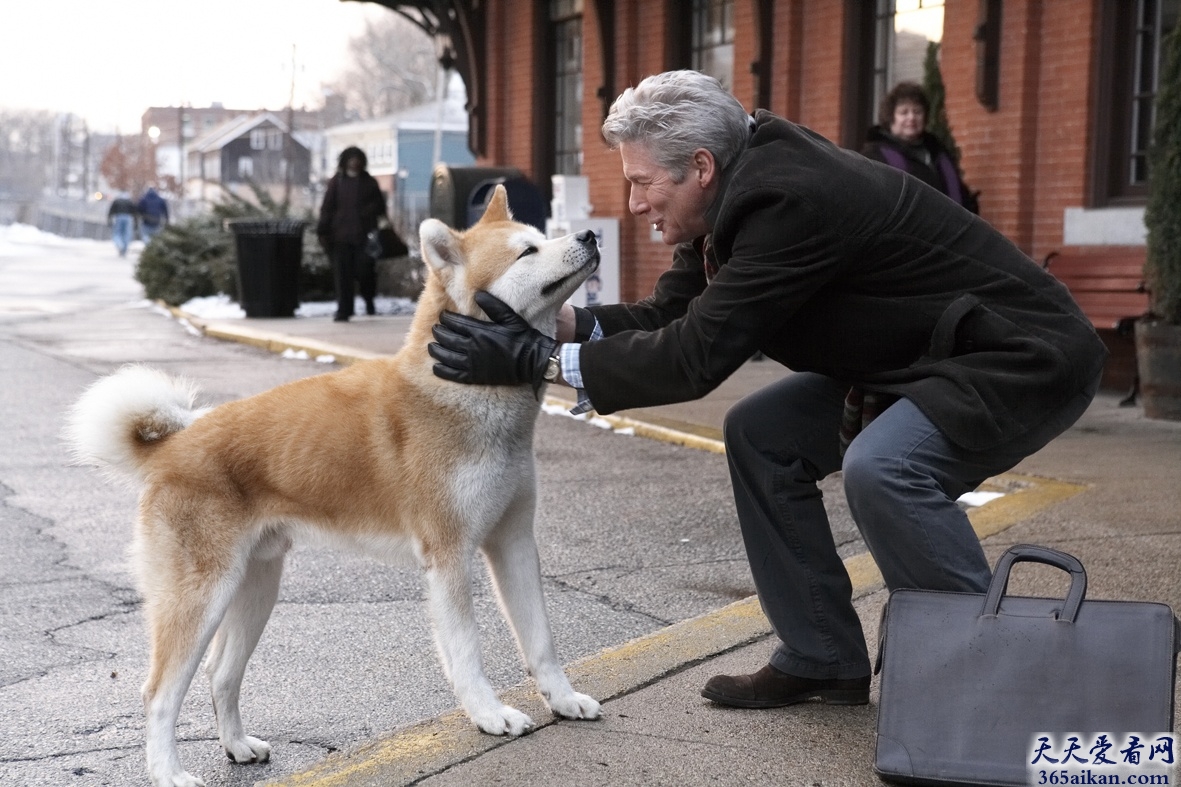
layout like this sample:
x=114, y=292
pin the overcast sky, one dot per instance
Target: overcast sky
x=109, y=60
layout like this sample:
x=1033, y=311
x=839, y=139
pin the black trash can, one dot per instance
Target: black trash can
x=269, y=255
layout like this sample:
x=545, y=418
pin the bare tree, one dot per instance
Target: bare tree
x=129, y=164
x=392, y=67
x=26, y=152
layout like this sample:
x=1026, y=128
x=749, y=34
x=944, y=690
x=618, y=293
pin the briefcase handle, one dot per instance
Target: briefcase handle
x=1031, y=553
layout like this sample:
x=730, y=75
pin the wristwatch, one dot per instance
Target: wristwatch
x=553, y=368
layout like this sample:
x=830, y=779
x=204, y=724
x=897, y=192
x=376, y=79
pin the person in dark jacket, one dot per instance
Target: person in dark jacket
x=153, y=214
x=352, y=206
x=901, y=140
x=121, y=218
x=927, y=354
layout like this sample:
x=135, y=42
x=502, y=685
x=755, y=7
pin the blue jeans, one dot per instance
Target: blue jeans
x=122, y=225
x=148, y=231
x=902, y=478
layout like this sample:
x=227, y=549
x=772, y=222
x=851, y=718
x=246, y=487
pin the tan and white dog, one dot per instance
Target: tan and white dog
x=382, y=455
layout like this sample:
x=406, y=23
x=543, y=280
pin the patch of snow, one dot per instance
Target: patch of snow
x=979, y=498
x=25, y=240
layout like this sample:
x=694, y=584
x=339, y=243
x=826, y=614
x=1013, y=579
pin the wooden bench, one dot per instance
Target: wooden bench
x=1109, y=286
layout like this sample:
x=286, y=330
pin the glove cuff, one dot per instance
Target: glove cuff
x=584, y=324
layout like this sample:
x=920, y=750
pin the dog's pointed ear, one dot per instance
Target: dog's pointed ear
x=497, y=209
x=440, y=244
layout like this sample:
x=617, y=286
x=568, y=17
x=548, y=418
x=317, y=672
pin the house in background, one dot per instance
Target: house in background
x=251, y=149
x=172, y=130
x=402, y=149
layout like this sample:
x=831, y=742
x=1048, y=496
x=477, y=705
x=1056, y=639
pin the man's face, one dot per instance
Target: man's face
x=677, y=210
x=352, y=165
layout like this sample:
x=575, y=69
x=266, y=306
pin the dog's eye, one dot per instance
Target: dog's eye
x=528, y=250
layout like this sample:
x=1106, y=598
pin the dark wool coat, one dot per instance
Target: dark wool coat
x=836, y=264
x=351, y=208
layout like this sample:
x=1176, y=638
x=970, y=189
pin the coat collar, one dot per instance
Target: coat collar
x=715, y=208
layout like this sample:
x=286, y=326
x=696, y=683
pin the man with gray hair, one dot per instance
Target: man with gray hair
x=927, y=354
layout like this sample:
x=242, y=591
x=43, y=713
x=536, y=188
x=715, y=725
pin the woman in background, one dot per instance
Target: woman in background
x=901, y=140
x=352, y=205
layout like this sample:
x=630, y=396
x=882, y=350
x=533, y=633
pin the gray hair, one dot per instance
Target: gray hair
x=674, y=114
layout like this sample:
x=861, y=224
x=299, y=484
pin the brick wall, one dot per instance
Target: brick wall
x=1029, y=158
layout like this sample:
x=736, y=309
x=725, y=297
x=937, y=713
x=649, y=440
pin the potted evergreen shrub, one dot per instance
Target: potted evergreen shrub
x=1158, y=335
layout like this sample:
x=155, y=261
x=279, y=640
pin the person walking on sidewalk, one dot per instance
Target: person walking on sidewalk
x=153, y=214
x=352, y=206
x=121, y=219
x=928, y=353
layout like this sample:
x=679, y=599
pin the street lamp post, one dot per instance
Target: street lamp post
x=154, y=140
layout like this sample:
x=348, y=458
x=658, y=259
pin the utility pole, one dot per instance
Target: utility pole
x=180, y=149
x=85, y=160
x=288, y=147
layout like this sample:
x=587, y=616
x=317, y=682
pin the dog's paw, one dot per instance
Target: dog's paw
x=503, y=721
x=247, y=749
x=575, y=706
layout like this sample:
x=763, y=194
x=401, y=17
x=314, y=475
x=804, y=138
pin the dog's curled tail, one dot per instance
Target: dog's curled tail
x=118, y=419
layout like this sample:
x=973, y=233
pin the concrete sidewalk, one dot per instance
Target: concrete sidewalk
x=1108, y=491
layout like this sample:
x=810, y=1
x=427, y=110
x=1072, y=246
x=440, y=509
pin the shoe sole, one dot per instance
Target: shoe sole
x=828, y=696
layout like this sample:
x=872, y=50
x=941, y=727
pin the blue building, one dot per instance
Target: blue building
x=403, y=149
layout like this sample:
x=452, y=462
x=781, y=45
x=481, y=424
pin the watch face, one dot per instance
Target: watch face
x=552, y=369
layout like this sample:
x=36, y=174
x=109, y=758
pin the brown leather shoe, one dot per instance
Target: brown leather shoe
x=770, y=688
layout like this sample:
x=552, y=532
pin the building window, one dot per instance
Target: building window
x=258, y=139
x=903, y=29
x=1129, y=59
x=245, y=167
x=566, y=29
x=712, y=40
x=275, y=139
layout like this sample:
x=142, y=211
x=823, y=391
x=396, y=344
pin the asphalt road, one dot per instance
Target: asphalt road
x=634, y=535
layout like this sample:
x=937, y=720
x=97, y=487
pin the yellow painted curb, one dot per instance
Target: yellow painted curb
x=270, y=341
x=676, y=434
x=278, y=343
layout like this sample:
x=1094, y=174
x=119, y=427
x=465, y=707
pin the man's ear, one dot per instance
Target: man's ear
x=703, y=168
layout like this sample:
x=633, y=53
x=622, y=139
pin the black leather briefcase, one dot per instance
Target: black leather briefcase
x=969, y=680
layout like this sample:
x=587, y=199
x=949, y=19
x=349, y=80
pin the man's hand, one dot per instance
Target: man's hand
x=506, y=351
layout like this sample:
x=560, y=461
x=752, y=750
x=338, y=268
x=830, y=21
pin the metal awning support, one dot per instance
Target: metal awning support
x=457, y=27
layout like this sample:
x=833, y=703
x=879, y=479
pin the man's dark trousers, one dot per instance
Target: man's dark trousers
x=902, y=478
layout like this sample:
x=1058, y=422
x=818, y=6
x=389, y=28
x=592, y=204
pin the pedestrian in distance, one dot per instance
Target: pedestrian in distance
x=353, y=204
x=153, y=214
x=121, y=218
x=926, y=352
x=901, y=140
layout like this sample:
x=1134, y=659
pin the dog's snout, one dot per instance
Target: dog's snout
x=587, y=237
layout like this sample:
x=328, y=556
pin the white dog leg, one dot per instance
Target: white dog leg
x=516, y=572
x=232, y=647
x=181, y=627
x=449, y=589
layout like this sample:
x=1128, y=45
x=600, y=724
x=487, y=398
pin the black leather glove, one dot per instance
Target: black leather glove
x=506, y=351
